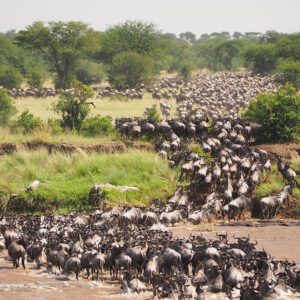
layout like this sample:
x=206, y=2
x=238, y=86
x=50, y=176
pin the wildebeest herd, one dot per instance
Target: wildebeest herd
x=230, y=170
x=134, y=245
x=138, y=255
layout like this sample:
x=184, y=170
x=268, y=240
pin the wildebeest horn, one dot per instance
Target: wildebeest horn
x=268, y=256
x=255, y=243
x=235, y=237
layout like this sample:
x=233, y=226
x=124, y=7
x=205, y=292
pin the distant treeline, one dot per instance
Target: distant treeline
x=132, y=53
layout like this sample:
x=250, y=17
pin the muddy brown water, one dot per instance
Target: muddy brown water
x=32, y=284
x=280, y=241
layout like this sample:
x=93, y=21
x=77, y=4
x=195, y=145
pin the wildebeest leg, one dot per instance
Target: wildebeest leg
x=23, y=262
x=180, y=176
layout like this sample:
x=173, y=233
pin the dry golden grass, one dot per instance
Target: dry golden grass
x=42, y=107
x=44, y=135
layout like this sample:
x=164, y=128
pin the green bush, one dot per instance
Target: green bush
x=54, y=126
x=130, y=70
x=72, y=107
x=278, y=114
x=89, y=72
x=27, y=122
x=7, y=109
x=97, y=125
x=153, y=115
x=289, y=72
x=35, y=79
x=10, y=77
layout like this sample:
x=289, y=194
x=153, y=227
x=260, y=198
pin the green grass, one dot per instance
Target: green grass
x=45, y=135
x=42, y=107
x=196, y=148
x=65, y=179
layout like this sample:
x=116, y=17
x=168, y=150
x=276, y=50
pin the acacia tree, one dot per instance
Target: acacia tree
x=185, y=70
x=261, y=58
x=59, y=43
x=131, y=51
x=188, y=37
x=227, y=50
x=135, y=36
x=208, y=51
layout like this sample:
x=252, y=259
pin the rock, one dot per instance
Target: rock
x=33, y=186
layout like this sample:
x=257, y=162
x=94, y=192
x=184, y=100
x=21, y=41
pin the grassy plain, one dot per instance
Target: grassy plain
x=42, y=107
x=65, y=179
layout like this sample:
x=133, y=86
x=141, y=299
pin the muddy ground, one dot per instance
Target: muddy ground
x=287, y=151
x=280, y=239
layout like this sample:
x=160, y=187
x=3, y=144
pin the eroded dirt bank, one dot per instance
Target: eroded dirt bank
x=287, y=151
x=280, y=241
x=7, y=148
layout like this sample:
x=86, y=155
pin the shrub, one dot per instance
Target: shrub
x=279, y=115
x=27, y=122
x=89, y=72
x=73, y=107
x=185, y=70
x=54, y=126
x=153, y=115
x=35, y=79
x=130, y=70
x=289, y=72
x=10, y=77
x=7, y=109
x=97, y=125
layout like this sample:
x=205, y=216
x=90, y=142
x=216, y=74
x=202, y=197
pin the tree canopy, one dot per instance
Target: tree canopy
x=135, y=36
x=59, y=43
